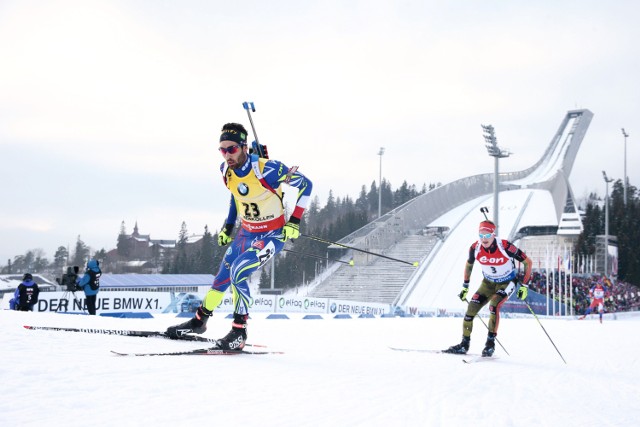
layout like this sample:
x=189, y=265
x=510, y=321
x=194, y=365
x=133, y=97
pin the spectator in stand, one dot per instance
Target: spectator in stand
x=621, y=296
x=26, y=294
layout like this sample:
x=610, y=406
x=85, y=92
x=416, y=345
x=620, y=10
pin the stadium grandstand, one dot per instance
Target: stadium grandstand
x=537, y=210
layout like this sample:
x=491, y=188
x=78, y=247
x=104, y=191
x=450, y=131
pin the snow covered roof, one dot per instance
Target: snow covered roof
x=10, y=282
x=136, y=263
x=194, y=239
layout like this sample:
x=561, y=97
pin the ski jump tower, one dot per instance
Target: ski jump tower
x=537, y=201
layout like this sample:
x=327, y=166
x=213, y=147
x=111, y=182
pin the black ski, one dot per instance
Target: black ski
x=128, y=333
x=200, y=352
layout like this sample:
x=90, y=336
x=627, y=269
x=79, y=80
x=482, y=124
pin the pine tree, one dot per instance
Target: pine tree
x=373, y=198
x=206, y=254
x=124, y=244
x=622, y=219
x=265, y=280
x=100, y=256
x=181, y=263
x=586, y=243
x=40, y=261
x=60, y=258
x=387, y=196
x=81, y=253
x=362, y=203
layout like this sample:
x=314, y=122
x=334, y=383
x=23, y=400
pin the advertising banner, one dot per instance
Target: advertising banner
x=357, y=308
x=260, y=304
x=109, y=302
x=537, y=302
x=189, y=302
x=106, y=302
x=302, y=305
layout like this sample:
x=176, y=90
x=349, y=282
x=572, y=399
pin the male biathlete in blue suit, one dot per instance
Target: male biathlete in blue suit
x=256, y=196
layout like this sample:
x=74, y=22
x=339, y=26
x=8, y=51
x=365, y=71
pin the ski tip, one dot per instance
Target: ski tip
x=479, y=359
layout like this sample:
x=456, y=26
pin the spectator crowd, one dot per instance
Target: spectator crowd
x=620, y=296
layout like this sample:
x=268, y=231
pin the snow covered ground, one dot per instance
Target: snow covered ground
x=335, y=372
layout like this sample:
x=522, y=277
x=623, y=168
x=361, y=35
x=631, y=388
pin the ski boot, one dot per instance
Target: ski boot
x=461, y=348
x=236, y=338
x=489, y=346
x=197, y=324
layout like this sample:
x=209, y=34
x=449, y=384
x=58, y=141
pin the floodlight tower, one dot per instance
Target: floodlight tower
x=626, y=135
x=496, y=152
x=380, y=153
x=606, y=222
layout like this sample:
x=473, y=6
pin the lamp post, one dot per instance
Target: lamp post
x=496, y=152
x=606, y=222
x=625, y=134
x=380, y=153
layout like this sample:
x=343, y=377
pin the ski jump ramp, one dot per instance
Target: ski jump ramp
x=537, y=201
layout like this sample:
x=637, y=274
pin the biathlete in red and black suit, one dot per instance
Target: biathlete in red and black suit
x=597, y=295
x=497, y=259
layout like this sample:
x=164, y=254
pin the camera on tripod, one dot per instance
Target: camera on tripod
x=68, y=281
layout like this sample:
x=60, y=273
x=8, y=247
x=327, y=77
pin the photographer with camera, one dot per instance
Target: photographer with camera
x=90, y=283
x=69, y=279
x=26, y=295
x=68, y=284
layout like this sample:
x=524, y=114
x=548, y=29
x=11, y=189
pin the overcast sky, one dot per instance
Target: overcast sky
x=111, y=110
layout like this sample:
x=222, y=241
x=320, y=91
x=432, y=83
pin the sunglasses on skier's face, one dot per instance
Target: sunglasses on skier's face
x=486, y=236
x=231, y=150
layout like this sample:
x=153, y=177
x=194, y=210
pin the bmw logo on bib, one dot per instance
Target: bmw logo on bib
x=243, y=189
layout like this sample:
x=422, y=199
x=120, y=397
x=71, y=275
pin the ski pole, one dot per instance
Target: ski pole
x=415, y=264
x=319, y=257
x=545, y=331
x=260, y=149
x=484, y=211
x=487, y=326
x=246, y=106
